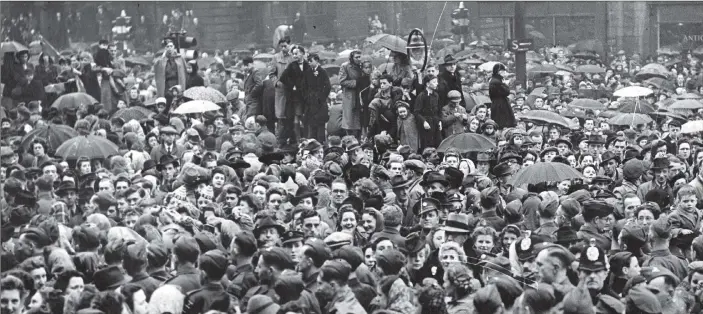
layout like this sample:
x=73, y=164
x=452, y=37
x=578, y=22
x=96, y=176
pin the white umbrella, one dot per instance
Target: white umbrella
x=488, y=66
x=692, y=127
x=345, y=53
x=196, y=106
x=632, y=91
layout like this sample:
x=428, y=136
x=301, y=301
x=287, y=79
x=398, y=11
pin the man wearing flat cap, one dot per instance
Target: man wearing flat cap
x=212, y=295
x=454, y=116
x=168, y=145
x=599, y=218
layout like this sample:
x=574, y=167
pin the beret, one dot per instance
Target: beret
x=596, y=208
x=513, y=208
x=205, y=243
x=135, y=252
x=548, y=208
x=186, y=246
x=276, y=256
x=570, y=207
x=213, y=261
x=644, y=300
x=335, y=269
x=578, y=301
x=391, y=261
x=652, y=272
x=633, y=169
x=104, y=199
x=351, y=254
x=487, y=300
x=634, y=232
x=661, y=227
x=157, y=255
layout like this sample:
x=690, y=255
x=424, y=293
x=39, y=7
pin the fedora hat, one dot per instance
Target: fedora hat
x=509, y=155
x=449, y=59
x=565, y=141
x=457, y=222
x=607, y=156
x=661, y=163
x=399, y=182
x=109, y=278
x=432, y=177
x=148, y=165
x=165, y=160
x=65, y=187
x=595, y=139
x=502, y=169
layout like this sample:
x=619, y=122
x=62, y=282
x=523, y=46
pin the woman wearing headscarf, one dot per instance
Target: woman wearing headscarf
x=498, y=91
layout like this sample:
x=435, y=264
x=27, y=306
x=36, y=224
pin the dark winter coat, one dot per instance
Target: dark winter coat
x=448, y=82
x=294, y=84
x=427, y=109
x=26, y=92
x=317, y=89
x=501, y=112
x=253, y=88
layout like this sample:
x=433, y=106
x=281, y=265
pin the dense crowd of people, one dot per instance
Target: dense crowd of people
x=314, y=190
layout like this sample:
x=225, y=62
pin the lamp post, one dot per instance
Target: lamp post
x=460, y=23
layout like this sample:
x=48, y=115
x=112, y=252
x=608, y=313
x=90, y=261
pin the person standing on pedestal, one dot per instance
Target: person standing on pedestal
x=169, y=71
x=498, y=91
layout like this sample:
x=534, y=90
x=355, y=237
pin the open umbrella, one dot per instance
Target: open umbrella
x=689, y=96
x=545, y=172
x=472, y=61
x=388, y=41
x=664, y=114
x=646, y=74
x=327, y=55
x=204, y=93
x=587, y=104
x=543, y=68
x=488, y=66
x=91, y=146
x=660, y=83
x=533, y=56
x=546, y=117
x=585, y=55
x=133, y=113
x=564, y=67
x=196, y=106
x=136, y=60
x=73, y=101
x=690, y=104
x=263, y=57
x=467, y=142
x=589, y=68
x=692, y=127
x=630, y=119
x=632, y=91
x=53, y=134
x=636, y=107
x=655, y=66
x=12, y=46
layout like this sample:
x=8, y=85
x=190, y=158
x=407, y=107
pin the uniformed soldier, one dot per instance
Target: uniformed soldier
x=157, y=255
x=241, y=273
x=272, y=262
x=212, y=295
x=598, y=215
x=185, y=254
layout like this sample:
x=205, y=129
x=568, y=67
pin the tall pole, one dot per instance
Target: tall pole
x=519, y=33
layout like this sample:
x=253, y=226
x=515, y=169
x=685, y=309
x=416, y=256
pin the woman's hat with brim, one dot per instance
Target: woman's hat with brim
x=238, y=163
x=449, y=59
x=271, y=158
x=149, y=164
x=302, y=193
x=502, y=169
x=414, y=243
x=262, y=304
x=268, y=222
x=595, y=139
x=65, y=187
x=607, y=156
x=565, y=141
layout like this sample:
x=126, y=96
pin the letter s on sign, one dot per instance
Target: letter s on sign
x=515, y=45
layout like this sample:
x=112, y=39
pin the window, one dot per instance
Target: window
x=686, y=35
x=571, y=29
x=495, y=29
